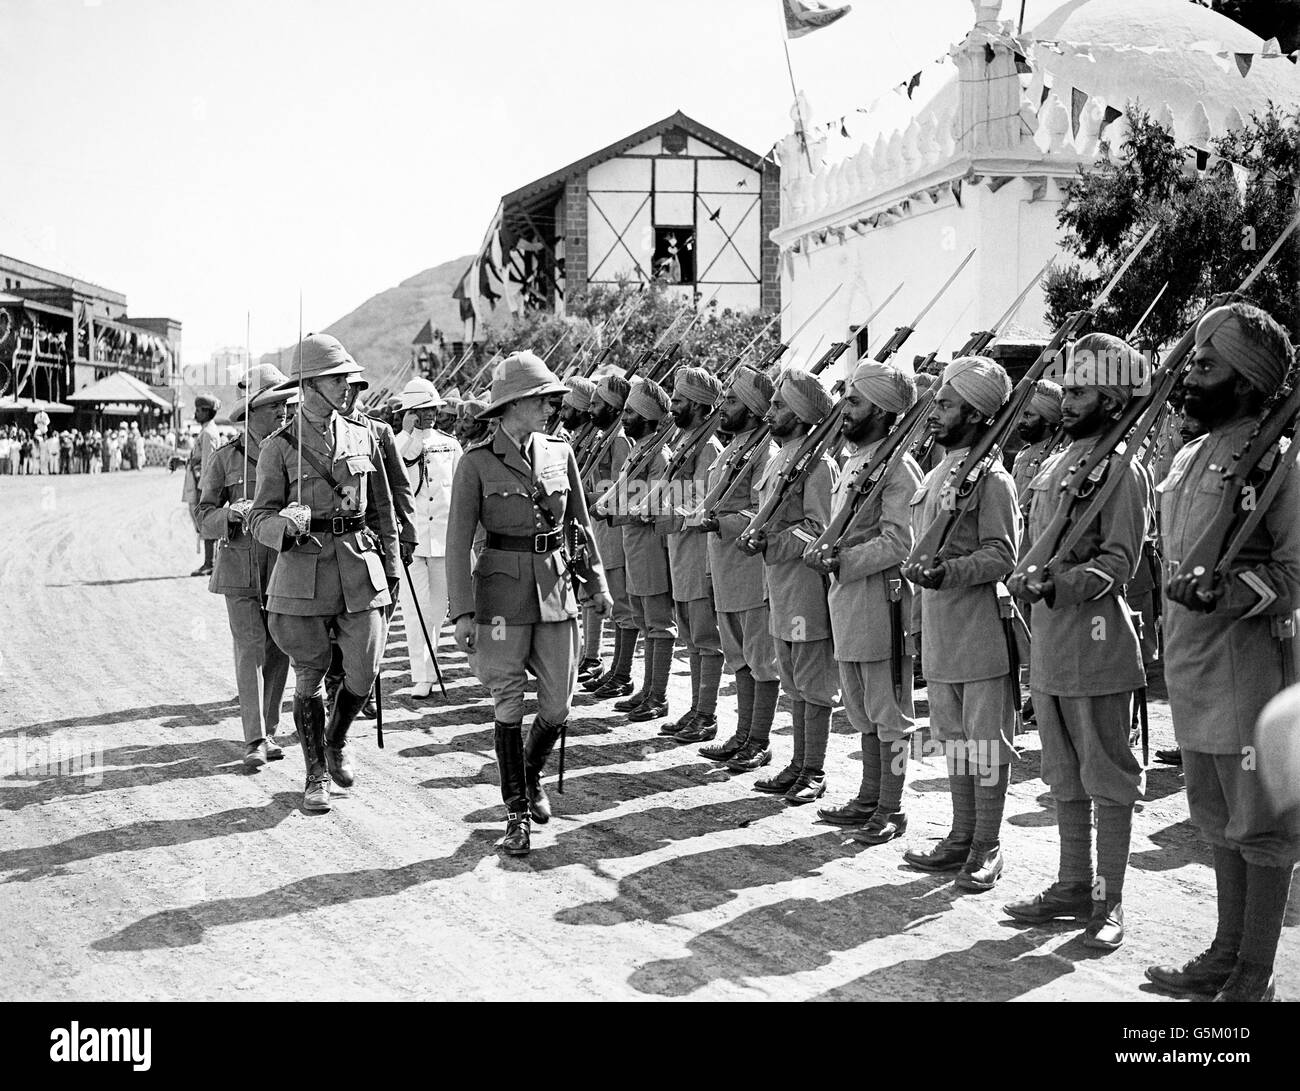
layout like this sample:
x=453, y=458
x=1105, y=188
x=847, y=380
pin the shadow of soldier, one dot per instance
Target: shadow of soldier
x=186, y=927
x=48, y=860
x=1177, y=845
x=181, y=715
x=794, y=935
x=148, y=765
x=684, y=885
x=994, y=970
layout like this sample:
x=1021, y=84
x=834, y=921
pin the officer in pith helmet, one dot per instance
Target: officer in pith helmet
x=518, y=611
x=323, y=503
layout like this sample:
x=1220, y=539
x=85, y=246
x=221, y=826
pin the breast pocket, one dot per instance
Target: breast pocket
x=234, y=569
x=507, y=508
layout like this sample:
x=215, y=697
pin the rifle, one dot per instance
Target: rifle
x=1100, y=470
x=960, y=488
x=828, y=433
x=599, y=358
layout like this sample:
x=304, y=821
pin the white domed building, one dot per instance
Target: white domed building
x=980, y=157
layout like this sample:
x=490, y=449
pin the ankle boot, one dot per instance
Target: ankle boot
x=309, y=719
x=643, y=694
x=514, y=793
x=346, y=706
x=541, y=741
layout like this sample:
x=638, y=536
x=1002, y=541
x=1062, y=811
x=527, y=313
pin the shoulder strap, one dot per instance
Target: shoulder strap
x=313, y=461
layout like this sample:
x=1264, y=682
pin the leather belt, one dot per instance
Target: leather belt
x=338, y=524
x=526, y=543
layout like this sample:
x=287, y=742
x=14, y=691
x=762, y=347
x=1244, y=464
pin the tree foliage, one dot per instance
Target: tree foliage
x=1209, y=236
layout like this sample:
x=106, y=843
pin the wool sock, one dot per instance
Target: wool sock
x=710, y=679
x=962, y=786
x=1074, y=826
x=990, y=801
x=624, y=650
x=797, y=712
x=661, y=667
x=592, y=631
x=1266, y=895
x=765, y=697
x=892, y=757
x=872, y=773
x=1230, y=879
x=1114, y=831
x=744, y=702
x=816, y=733
x=694, y=658
x=647, y=670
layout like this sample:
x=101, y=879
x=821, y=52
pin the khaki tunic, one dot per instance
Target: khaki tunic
x=205, y=446
x=1223, y=667
x=1084, y=641
x=644, y=552
x=876, y=543
x=1029, y=461
x=688, y=547
x=796, y=594
x=962, y=638
x=737, y=577
x=242, y=566
x=496, y=488
x=329, y=574
x=609, y=538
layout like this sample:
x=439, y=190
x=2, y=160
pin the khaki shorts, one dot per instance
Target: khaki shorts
x=698, y=624
x=980, y=716
x=747, y=642
x=868, y=690
x=1231, y=809
x=809, y=672
x=1086, y=754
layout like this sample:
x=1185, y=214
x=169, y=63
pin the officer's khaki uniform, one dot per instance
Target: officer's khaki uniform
x=524, y=603
x=649, y=582
x=1085, y=661
x=333, y=581
x=241, y=572
x=1223, y=667
x=875, y=545
x=739, y=595
x=430, y=459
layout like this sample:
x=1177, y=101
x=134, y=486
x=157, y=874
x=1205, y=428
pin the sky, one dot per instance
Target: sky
x=213, y=159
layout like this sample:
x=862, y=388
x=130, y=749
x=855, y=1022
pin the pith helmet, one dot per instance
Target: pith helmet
x=521, y=375
x=259, y=387
x=321, y=355
x=420, y=394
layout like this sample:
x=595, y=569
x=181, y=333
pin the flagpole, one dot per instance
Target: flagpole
x=798, y=109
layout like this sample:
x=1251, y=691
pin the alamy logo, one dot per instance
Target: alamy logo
x=104, y=1044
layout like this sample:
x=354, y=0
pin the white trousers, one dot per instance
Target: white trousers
x=429, y=575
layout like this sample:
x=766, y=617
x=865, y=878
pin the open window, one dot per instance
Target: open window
x=674, y=256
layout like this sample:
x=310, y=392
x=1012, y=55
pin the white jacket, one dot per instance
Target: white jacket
x=430, y=458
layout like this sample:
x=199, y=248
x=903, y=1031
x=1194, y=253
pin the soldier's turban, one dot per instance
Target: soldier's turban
x=981, y=382
x=1107, y=363
x=471, y=408
x=804, y=394
x=884, y=386
x=581, y=391
x=1249, y=341
x=697, y=385
x=754, y=389
x=649, y=399
x=613, y=390
x=1046, y=401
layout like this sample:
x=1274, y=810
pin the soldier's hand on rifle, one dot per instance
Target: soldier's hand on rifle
x=1037, y=587
x=709, y=524
x=466, y=633
x=926, y=577
x=825, y=561
x=753, y=544
x=1182, y=588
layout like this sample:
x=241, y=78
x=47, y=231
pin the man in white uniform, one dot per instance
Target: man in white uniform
x=430, y=457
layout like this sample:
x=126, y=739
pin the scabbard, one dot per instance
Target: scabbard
x=896, y=637
x=379, y=711
x=564, y=735
x=1144, y=725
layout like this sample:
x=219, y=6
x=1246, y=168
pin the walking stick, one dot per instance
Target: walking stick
x=379, y=710
x=433, y=652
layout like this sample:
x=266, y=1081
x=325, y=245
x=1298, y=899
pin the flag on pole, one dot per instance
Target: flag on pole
x=804, y=16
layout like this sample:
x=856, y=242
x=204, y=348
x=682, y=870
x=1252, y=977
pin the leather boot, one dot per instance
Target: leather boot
x=346, y=706
x=948, y=855
x=514, y=792
x=1249, y=983
x=1105, y=928
x=541, y=741
x=1060, y=901
x=309, y=719
x=643, y=694
x=1203, y=975
x=333, y=683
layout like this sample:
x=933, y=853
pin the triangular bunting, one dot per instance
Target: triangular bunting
x=956, y=191
x=1078, y=100
x=1110, y=115
x=1043, y=97
x=1243, y=61
x=1022, y=65
x=913, y=84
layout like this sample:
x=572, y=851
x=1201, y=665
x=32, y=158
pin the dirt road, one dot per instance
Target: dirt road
x=139, y=860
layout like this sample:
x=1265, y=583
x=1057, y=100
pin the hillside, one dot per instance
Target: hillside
x=379, y=332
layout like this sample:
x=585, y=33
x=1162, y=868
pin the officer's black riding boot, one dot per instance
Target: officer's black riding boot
x=541, y=741
x=346, y=706
x=514, y=793
x=309, y=719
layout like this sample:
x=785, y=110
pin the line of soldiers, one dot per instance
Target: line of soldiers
x=532, y=577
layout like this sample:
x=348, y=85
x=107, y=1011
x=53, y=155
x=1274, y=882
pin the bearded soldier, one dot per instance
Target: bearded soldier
x=738, y=589
x=871, y=606
x=1039, y=420
x=964, y=651
x=242, y=567
x=1085, y=660
x=649, y=582
x=518, y=611
x=606, y=413
x=798, y=614
x=329, y=515
x=469, y=429
x=695, y=392
x=1226, y=654
x=574, y=415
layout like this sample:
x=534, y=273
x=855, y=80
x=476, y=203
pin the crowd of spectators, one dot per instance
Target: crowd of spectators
x=74, y=451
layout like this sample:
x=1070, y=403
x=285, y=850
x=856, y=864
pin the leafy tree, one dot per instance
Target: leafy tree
x=1209, y=236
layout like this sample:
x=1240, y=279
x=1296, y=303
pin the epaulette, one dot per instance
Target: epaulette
x=279, y=431
x=484, y=441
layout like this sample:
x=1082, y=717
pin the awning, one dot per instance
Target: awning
x=10, y=404
x=33, y=305
x=118, y=389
